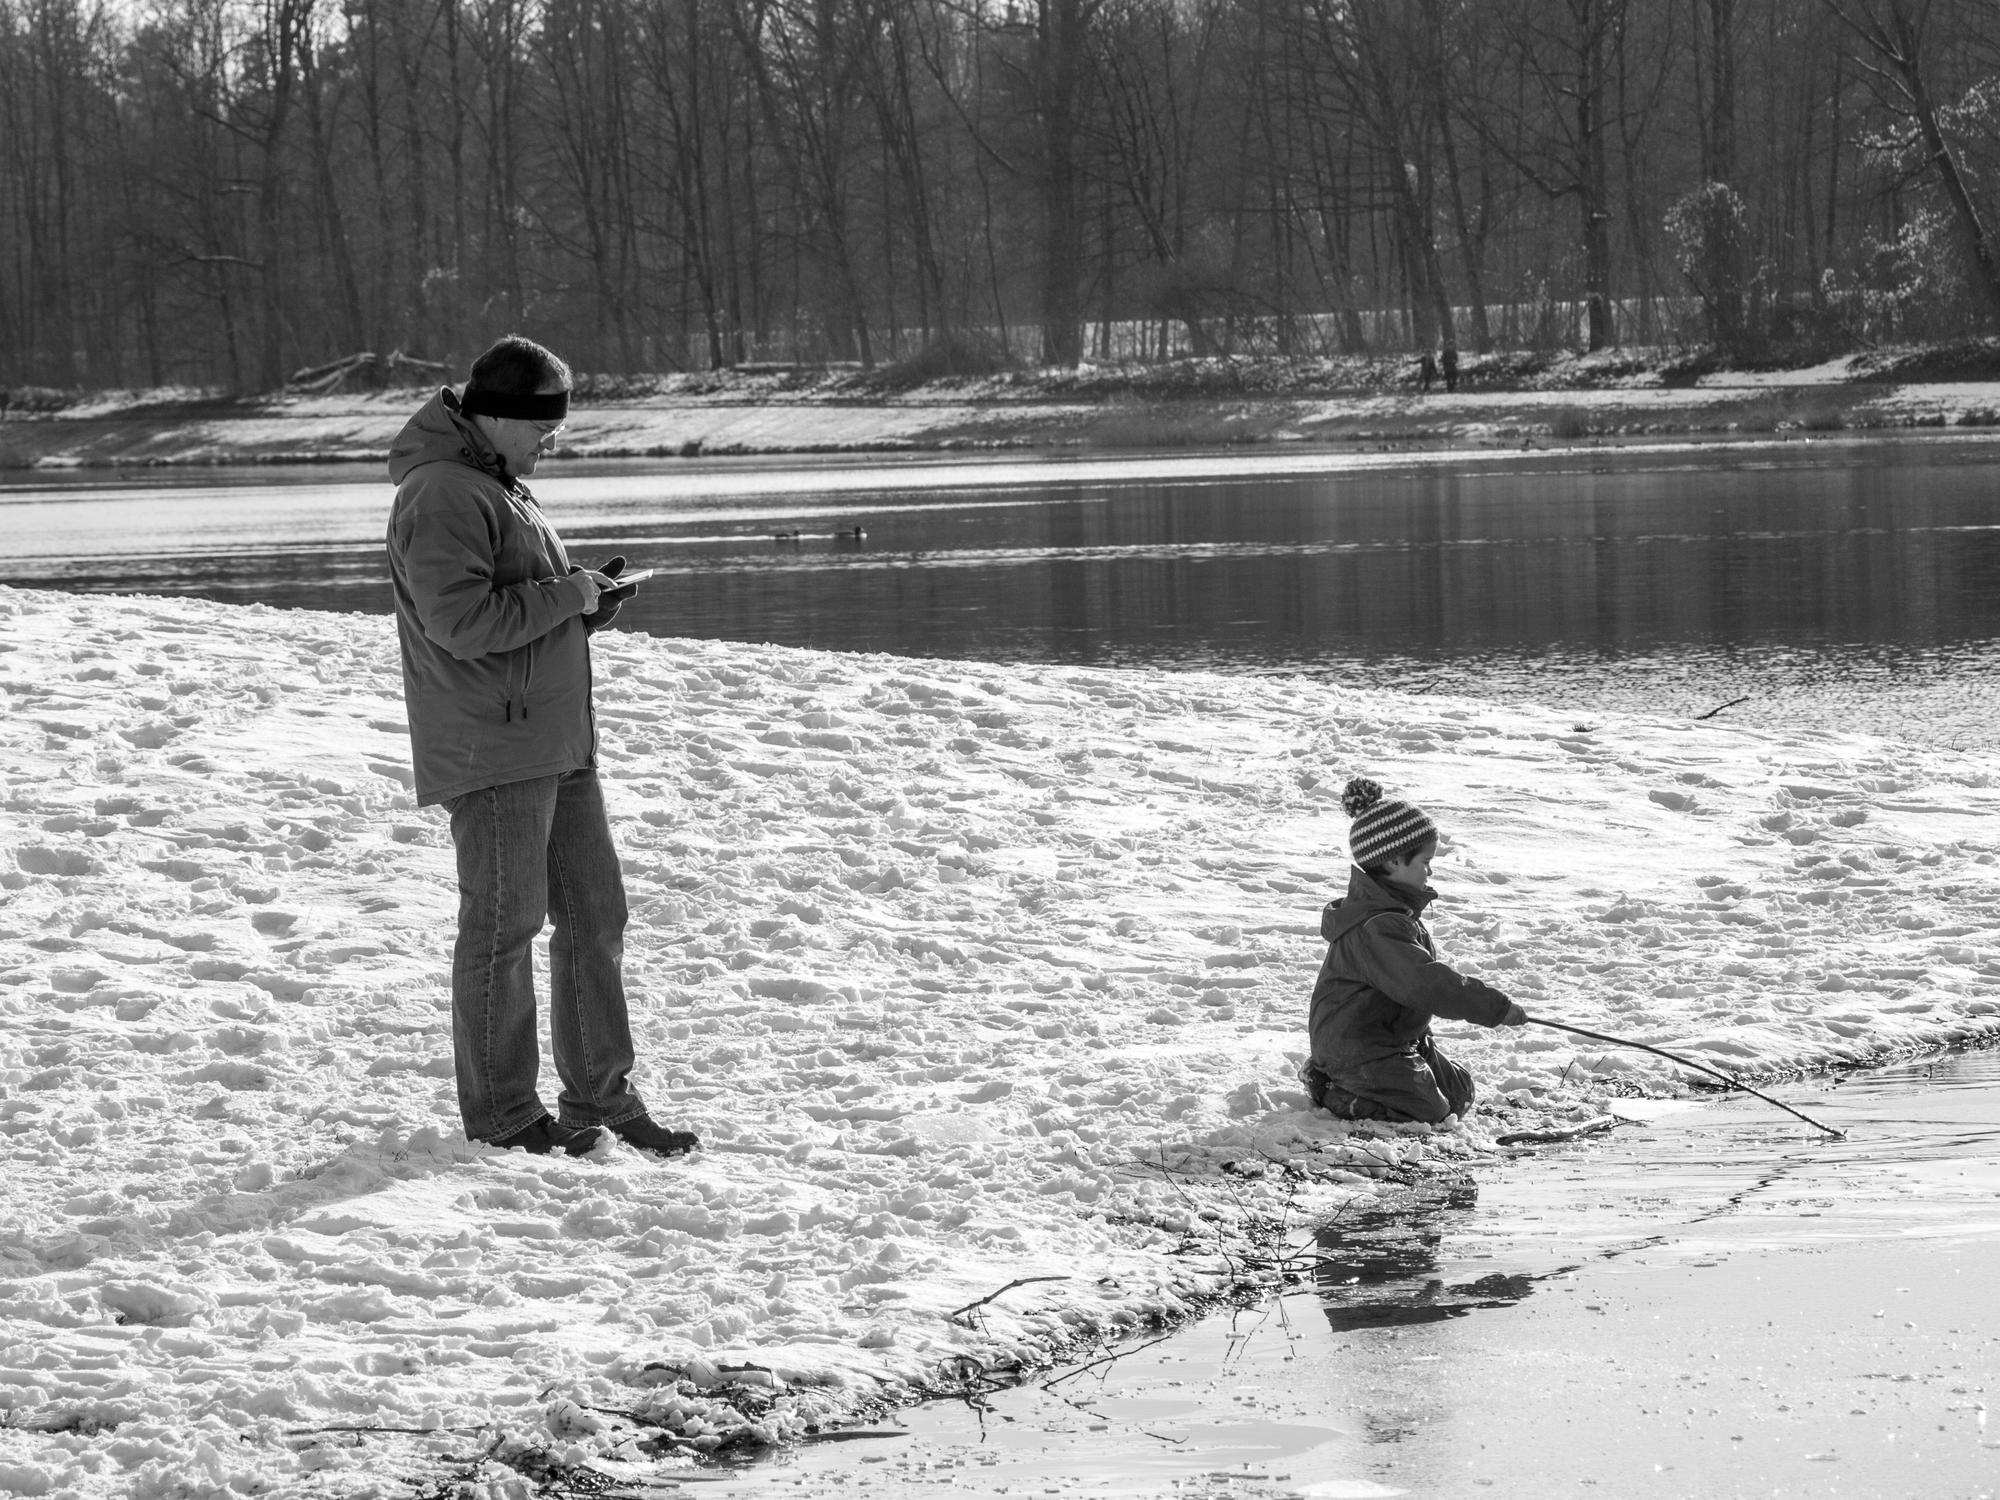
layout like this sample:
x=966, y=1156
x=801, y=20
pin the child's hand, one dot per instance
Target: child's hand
x=1515, y=1016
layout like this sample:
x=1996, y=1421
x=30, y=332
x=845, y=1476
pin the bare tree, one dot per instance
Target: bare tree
x=891, y=46
x=1453, y=56
x=1554, y=129
x=51, y=62
x=588, y=206
x=1155, y=57
x=351, y=322
x=804, y=57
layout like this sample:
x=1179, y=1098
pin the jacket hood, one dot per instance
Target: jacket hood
x=441, y=433
x=1367, y=897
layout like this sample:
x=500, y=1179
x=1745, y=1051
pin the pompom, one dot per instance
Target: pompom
x=1361, y=794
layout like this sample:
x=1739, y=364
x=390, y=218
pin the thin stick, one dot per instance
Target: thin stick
x=1116, y=1354
x=355, y=1427
x=1022, y=1281
x=1688, y=1062
x=1721, y=706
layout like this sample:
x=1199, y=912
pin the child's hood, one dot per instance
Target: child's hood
x=1368, y=897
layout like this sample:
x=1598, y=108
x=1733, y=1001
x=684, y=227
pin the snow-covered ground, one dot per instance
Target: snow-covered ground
x=967, y=975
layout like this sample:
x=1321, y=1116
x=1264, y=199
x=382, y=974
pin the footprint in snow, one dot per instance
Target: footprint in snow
x=154, y=736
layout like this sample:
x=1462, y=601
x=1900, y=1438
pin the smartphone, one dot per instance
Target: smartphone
x=634, y=575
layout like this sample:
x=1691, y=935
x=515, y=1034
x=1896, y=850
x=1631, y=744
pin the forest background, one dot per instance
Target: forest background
x=221, y=192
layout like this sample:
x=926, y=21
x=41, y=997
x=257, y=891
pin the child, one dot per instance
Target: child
x=1372, y=1053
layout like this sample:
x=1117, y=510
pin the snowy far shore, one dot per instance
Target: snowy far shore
x=984, y=986
x=1361, y=403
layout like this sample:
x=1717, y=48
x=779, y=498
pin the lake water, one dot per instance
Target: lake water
x=1849, y=584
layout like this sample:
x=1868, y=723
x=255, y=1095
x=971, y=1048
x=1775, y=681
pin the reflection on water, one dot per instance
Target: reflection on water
x=1919, y=1156
x=1376, y=1266
x=1671, y=581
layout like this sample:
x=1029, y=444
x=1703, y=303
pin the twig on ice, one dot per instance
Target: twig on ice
x=1116, y=1354
x=1092, y=1411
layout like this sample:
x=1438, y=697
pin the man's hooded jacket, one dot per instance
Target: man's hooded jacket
x=496, y=655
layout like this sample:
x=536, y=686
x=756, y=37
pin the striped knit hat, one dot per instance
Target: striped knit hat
x=1382, y=825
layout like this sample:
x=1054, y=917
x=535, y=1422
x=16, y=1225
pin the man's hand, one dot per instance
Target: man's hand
x=591, y=586
x=620, y=594
x=601, y=612
x=1515, y=1016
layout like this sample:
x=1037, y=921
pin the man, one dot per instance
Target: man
x=494, y=622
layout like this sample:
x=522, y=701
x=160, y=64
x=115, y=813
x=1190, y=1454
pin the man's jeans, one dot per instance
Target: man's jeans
x=526, y=850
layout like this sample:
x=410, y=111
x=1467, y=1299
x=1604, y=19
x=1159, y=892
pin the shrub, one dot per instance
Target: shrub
x=590, y=387
x=39, y=398
x=1570, y=422
x=945, y=356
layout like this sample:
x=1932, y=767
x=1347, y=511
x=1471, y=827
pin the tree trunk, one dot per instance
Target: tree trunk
x=1594, y=197
x=1062, y=32
x=416, y=191
x=288, y=22
x=692, y=180
x=1442, y=92
x=353, y=327
x=383, y=280
x=453, y=310
x=1723, y=254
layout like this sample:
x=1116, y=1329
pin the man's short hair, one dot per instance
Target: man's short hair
x=515, y=366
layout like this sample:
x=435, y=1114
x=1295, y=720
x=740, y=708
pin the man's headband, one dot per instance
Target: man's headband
x=552, y=406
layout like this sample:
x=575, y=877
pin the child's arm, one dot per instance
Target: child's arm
x=1387, y=956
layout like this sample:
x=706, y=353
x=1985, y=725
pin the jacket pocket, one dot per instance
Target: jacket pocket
x=515, y=703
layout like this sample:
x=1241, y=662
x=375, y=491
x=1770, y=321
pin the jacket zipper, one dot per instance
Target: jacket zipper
x=515, y=704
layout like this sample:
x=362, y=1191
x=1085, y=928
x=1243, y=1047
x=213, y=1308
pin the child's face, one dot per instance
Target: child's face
x=1414, y=871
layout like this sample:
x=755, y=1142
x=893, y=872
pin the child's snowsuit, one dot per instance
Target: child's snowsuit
x=1371, y=1009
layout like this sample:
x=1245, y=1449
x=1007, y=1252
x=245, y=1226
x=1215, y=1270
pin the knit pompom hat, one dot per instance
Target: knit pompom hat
x=1382, y=825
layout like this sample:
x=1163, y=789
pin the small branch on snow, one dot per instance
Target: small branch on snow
x=960, y=1312
x=1721, y=706
x=367, y=1427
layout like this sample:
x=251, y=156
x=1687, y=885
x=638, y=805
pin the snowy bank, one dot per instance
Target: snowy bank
x=1509, y=399
x=968, y=975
